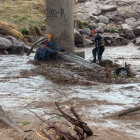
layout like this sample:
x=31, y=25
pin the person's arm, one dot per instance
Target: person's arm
x=58, y=48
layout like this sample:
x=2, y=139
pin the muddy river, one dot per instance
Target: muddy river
x=94, y=103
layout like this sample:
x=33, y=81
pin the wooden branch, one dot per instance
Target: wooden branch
x=78, y=126
x=128, y=111
x=74, y=113
x=76, y=122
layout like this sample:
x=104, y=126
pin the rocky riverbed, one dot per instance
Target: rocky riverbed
x=119, y=21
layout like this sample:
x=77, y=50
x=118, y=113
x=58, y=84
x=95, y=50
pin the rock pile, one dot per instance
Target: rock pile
x=119, y=21
x=10, y=45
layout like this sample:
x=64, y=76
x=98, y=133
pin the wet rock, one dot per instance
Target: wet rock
x=137, y=31
x=114, y=40
x=87, y=42
x=137, y=8
x=109, y=8
x=4, y=43
x=12, y=39
x=94, y=18
x=103, y=19
x=137, y=23
x=101, y=24
x=87, y=30
x=116, y=17
x=26, y=48
x=93, y=9
x=101, y=27
x=126, y=27
x=82, y=32
x=78, y=39
x=130, y=21
x=128, y=32
x=129, y=13
x=138, y=41
x=16, y=48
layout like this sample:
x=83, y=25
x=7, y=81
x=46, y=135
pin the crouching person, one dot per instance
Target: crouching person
x=52, y=50
x=41, y=52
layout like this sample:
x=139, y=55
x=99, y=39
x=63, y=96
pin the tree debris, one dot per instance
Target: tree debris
x=127, y=111
x=76, y=130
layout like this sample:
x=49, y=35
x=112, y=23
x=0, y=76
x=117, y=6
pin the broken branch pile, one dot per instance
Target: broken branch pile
x=54, y=130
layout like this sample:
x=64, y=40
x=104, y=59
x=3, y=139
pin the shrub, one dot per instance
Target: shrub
x=25, y=31
x=113, y=30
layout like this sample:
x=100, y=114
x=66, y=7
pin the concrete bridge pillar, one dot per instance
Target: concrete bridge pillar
x=59, y=18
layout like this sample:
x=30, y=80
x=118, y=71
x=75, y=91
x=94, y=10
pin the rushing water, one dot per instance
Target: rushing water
x=20, y=93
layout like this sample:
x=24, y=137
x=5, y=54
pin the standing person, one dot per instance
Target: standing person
x=51, y=48
x=99, y=46
x=41, y=52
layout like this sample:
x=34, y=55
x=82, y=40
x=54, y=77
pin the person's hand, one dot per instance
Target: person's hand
x=62, y=50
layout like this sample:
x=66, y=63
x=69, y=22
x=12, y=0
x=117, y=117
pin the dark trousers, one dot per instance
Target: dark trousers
x=51, y=53
x=99, y=51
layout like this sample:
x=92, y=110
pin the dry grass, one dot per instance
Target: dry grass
x=10, y=29
x=24, y=13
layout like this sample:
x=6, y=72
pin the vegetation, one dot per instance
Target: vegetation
x=24, y=13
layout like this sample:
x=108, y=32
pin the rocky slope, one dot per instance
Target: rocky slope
x=119, y=21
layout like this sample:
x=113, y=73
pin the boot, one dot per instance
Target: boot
x=100, y=60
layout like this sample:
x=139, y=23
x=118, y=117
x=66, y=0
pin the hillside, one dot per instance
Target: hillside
x=25, y=14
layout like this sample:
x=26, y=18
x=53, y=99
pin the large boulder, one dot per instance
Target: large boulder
x=103, y=19
x=137, y=31
x=4, y=43
x=16, y=48
x=12, y=39
x=138, y=41
x=115, y=40
x=128, y=31
x=109, y=8
x=116, y=17
x=78, y=39
x=92, y=8
x=101, y=27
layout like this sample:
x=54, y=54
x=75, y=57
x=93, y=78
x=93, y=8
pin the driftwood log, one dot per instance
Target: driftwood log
x=127, y=111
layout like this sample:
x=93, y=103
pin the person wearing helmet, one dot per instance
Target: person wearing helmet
x=41, y=52
x=99, y=46
x=51, y=48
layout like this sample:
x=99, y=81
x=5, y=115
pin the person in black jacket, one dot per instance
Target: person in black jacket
x=99, y=46
x=41, y=52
